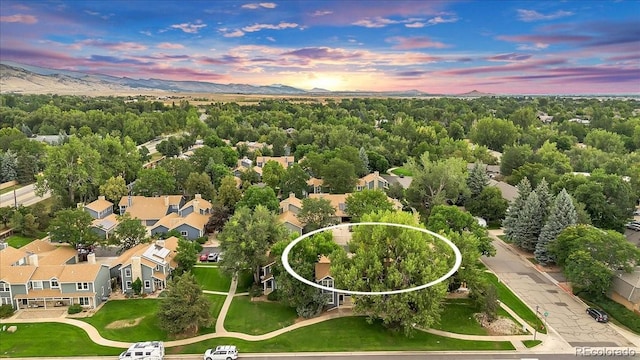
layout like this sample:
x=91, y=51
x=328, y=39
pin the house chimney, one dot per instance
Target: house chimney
x=197, y=196
x=130, y=201
x=376, y=173
x=136, y=268
x=33, y=259
x=101, y=198
x=79, y=205
x=166, y=200
x=91, y=258
x=196, y=206
x=160, y=242
x=292, y=195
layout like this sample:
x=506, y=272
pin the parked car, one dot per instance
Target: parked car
x=223, y=352
x=204, y=257
x=213, y=257
x=219, y=257
x=598, y=315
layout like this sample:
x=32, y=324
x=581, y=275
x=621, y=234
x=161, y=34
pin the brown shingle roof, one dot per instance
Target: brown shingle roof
x=290, y=218
x=99, y=205
x=335, y=199
x=38, y=247
x=168, y=221
x=283, y=160
x=79, y=273
x=323, y=268
x=11, y=255
x=16, y=274
x=59, y=256
x=149, y=208
x=47, y=272
x=291, y=200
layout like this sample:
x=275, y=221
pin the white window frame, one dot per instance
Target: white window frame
x=184, y=233
x=127, y=285
x=37, y=284
x=82, y=299
x=82, y=286
x=4, y=286
x=127, y=272
x=328, y=282
x=147, y=284
x=54, y=284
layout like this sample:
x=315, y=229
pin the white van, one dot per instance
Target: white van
x=224, y=352
x=146, y=350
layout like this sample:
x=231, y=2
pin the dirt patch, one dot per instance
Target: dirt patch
x=119, y=324
x=500, y=326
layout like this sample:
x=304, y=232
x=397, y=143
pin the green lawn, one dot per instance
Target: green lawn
x=402, y=171
x=457, y=317
x=50, y=339
x=18, y=241
x=618, y=314
x=212, y=278
x=531, y=343
x=127, y=311
x=257, y=317
x=513, y=302
x=346, y=334
x=216, y=305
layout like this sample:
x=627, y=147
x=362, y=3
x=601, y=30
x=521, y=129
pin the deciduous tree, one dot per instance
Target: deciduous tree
x=272, y=174
x=489, y=204
x=114, y=189
x=228, y=193
x=154, y=182
x=259, y=195
x=129, y=233
x=200, y=184
x=390, y=258
x=295, y=181
x=366, y=201
x=72, y=226
x=316, y=213
x=186, y=308
x=339, y=176
x=186, y=255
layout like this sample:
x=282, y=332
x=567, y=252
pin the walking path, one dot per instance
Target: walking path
x=95, y=336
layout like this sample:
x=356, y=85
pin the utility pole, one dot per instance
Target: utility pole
x=15, y=199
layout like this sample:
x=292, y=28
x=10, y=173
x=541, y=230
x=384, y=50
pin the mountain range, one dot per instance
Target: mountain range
x=22, y=78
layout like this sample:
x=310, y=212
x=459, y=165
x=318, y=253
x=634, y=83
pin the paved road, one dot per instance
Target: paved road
x=151, y=145
x=566, y=314
x=381, y=356
x=23, y=196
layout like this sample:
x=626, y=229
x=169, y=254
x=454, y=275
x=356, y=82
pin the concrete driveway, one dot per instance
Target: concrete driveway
x=566, y=314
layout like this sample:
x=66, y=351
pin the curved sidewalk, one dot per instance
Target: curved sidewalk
x=95, y=336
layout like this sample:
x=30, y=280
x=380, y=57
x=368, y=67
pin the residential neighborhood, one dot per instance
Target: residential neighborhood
x=189, y=250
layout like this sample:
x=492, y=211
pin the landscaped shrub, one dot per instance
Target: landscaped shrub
x=201, y=240
x=255, y=291
x=273, y=296
x=74, y=309
x=137, y=286
x=6, y=311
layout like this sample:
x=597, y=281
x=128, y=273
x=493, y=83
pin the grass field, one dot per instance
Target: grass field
x=257, y=317
x=51, y=339
x=18, y=241
x=458, y=317
x=346, y=334
x=402, y=171
x=514, y=303
x=212, y=278
x=245, y=280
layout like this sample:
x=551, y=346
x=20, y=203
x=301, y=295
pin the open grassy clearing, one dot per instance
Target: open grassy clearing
x=18, y=241
x=51, y=339
x=347, y=334
x=457, y=317
x=257, y=317
x=211, y=278
x=402, y=171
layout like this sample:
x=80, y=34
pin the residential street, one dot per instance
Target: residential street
x=566, y=314
x=23, y=196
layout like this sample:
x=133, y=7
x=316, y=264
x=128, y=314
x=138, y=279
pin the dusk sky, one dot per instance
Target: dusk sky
x=503, y=47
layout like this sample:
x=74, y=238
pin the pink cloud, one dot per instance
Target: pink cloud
x=120, y=46
x=189, y=27
x=520, y=66
x=404, y=43
x=167, y=45
x=258, y=27
x=232, y=34
x=545, y=39
x=532, y=15
x=377, y=22
x=254, y=6
x=19, y=18
x=509, y=57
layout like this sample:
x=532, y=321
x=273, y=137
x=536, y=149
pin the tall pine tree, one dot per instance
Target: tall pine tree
x=477, y=179
x=530, y=223
x=510, y=222
x=563, y=214
x=545, y=196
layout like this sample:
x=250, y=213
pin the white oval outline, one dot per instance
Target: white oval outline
x=287, y=266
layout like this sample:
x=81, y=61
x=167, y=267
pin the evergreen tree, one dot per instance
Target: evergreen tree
x=477, y=179
x=545, y=196
x=8, y=166
x=530, y=223
x=362, y=153
x=510, y=222
x=563, y=214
